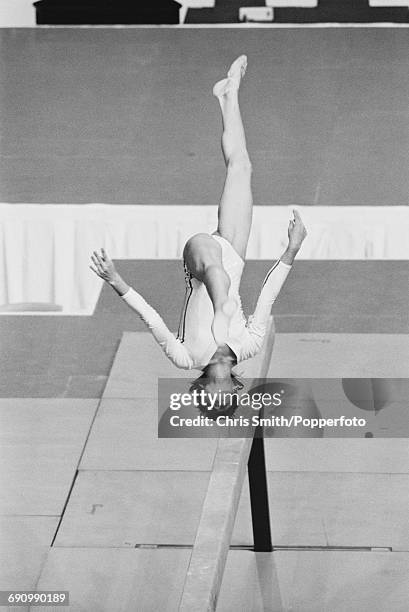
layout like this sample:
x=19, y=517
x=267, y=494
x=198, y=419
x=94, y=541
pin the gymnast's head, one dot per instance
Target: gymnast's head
x=217, y=389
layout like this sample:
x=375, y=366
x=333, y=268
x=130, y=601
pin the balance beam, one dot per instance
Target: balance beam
x=205, y=572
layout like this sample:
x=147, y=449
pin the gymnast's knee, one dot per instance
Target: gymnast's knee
x=240, y=163
x=194, y=242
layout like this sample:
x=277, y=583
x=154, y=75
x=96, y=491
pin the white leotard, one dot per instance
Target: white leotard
x=194, y=345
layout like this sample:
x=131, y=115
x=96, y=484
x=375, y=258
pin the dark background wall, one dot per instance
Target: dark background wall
x=126, y=116
x=325, y=11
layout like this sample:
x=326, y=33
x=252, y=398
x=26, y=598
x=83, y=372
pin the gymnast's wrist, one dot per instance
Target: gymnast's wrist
x=119, y=285
x=289, y=255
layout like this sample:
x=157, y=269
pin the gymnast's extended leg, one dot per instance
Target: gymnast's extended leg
x=202, y=253
x=235, y=209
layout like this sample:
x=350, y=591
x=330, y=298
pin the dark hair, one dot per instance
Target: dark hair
x=200, y=383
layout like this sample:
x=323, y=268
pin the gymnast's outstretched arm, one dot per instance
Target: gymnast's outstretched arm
x=274, y=281
x=172, y=347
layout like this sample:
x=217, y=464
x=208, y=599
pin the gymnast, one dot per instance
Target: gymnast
x=213, y=334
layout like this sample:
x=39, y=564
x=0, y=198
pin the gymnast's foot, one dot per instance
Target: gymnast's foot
x=232, y=82
x=221, y=321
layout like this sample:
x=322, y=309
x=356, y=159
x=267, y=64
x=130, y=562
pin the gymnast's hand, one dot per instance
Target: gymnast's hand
x=296, y=235
x=105, y=269
x=296, y=232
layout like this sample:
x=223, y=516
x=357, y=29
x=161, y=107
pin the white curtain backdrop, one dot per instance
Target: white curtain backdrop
x=45, y=249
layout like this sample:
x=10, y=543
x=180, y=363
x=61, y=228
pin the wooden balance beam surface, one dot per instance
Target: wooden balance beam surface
x=214, y=533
